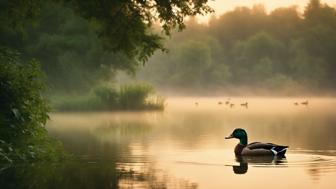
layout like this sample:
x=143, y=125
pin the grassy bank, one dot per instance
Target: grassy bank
x=102, y=98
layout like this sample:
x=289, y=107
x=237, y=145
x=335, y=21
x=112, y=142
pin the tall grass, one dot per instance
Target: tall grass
x=125, y=97
x=134, y=96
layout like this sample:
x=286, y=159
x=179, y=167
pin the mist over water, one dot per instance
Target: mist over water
x=102, y=66
x=184, y=146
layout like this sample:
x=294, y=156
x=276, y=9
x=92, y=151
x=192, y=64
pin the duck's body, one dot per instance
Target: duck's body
x=305, y=103
x=260, y=149
x=255, y=148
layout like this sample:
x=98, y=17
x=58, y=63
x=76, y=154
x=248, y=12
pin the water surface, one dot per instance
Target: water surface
x=184, y=146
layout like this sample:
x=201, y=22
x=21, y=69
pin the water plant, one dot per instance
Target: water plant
x=136, y=96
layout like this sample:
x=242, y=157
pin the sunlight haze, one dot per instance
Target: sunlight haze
x=173, y=94
x=221, y=6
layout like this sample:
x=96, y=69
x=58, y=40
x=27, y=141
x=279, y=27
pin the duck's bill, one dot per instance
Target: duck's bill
x=228, y=137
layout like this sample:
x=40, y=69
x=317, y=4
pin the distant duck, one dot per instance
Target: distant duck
x=220, y=103
x=305, y=103
x=196, y=103
x=296, y=104
x=227, y=102
x=255, y=148
x=231, y=105
x=244, y=104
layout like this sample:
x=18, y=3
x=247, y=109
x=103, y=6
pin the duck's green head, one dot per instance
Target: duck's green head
x=239, y=134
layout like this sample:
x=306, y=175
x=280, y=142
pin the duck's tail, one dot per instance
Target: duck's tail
x=279, y=150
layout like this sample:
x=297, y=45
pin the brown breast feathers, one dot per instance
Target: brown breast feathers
x=238, y=149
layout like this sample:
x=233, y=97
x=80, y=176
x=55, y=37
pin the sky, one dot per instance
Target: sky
x=221, y=6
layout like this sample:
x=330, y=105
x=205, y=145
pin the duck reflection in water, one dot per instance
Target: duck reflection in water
x=257, y=161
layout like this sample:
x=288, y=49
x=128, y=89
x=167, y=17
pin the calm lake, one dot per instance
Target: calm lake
x=184, y=147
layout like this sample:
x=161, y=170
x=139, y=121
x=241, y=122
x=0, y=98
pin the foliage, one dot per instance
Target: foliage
x=249, y=48
x=123, y=25
x=23, y=111
x=80, y=43
x=70, y=53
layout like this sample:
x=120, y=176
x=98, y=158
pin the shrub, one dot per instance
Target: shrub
x=23, y=110
x=134, y=95
x=128, y=97
x=107, y=95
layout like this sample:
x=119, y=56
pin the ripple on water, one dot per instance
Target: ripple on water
x=293, y=159
x=324, y=162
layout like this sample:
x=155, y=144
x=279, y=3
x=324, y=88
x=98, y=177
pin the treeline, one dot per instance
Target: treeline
x=284, y=50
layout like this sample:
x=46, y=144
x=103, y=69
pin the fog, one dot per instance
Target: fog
x=140, y=94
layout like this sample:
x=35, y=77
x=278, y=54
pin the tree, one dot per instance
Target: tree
x=283, y=49
x=82, y=42
x=122, y=25
x=253, y=58
x=285, y=19
x=319, y=35
x=70, y=53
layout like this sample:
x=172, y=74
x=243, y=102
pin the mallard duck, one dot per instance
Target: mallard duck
x=255, y=148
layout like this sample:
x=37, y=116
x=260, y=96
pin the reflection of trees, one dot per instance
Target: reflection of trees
x=101, y=175
x=121, y=141
x=150, y=177
x=191, y=128
x=122, y=131
x=67, y=175
x=112, y=150
x=102, y=136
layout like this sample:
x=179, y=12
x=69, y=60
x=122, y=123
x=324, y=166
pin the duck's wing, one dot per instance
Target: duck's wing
x=276, y=149
x=267, y=146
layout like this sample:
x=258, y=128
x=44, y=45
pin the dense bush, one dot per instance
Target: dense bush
x=23, y=111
